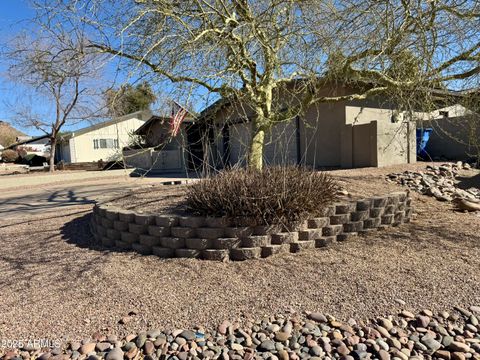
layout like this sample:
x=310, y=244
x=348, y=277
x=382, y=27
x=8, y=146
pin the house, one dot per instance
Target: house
x=342, y=134
x=455, y=133
x=157, y=151
x=101, y=141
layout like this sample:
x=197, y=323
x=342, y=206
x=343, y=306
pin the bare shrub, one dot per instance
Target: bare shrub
x=274, y=195
x=9, y=156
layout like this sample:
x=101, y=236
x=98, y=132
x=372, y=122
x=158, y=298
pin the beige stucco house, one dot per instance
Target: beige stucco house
x=343, y=134
x=101, y=141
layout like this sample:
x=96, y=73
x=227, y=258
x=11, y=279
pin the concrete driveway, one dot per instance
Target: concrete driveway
x=26, y=195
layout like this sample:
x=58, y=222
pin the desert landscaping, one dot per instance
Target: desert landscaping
x=399, y=288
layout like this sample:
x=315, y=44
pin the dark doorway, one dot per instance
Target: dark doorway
x=194, y=148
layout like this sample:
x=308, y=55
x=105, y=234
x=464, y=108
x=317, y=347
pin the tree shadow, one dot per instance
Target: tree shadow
x=469, y=182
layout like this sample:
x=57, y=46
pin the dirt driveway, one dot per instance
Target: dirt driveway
x=55, y=282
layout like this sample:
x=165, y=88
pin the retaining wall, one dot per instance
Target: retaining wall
x=218, y=239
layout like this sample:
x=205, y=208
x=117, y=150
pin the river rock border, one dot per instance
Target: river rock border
x=218, y=239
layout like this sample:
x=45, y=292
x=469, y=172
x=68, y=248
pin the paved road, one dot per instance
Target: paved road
x=42, y=195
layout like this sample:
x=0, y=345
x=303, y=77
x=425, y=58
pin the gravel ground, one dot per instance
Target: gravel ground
x=54, y=283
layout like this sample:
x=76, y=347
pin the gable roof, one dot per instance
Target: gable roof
x=140, y=115
x=142, y=130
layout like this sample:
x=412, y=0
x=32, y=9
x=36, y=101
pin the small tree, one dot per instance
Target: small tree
x=56, y=69
x=128, y=99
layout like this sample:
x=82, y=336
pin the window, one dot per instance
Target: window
x=105, y=143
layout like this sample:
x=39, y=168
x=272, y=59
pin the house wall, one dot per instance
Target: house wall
x=452, y=138
x=82, y=147
x=337, y=134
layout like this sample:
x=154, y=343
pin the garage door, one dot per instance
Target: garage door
x=281, y=145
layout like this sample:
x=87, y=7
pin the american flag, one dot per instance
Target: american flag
x=178, y=115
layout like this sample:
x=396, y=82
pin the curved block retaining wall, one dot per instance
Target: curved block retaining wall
x=216, y=239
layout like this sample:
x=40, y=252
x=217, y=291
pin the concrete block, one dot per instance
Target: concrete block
x=158, y=230
x=107, y=242
x=284, y=238
x=239, y=232
x=347, y=236
x=325, y=241
x=372, y=223
x=387, y=219
x=210, y=233
x=318, y=223
x=128, y=237
x=142, y=249
x=120, y=225
x=389, y=210
x=127, y=216
x=111, y=214
x=379, y=201
x=226, y=243
x=302, y=245
x=137, y=229
x=255, y=241
x=393, y=199
x=187, y=253
x=332, y=230
x=310, y=234
x=217, y=222
x=360, y=215
x=149, y=240
x=353, y=226
x=191, y=221
x=122, y=245
x=183, y=232
x=144, y=219
x=270, y=250
x=163, y=252
x=399, y=216
x=172, y=242
x=265, y=229
x=345, y=208
x=216, y=255
x=401, y=207
x=102, y=210
x=101, y=230
x=376, y=212
x=364, y=204
x=328, y=211
x=241, y=254
x=113, y=234
x=166, y=221
x=198, y=244
x=106, y=223
x=339, y=219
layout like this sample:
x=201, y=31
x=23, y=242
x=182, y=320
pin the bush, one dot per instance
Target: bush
x=275, y=195
x=9, y=155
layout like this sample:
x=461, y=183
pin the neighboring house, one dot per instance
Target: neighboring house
x=455, y=133
x=29, y=145
x=158, y=151
x=102, y=141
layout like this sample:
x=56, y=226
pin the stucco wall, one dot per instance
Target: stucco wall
x=83, y=150
x=451, y=138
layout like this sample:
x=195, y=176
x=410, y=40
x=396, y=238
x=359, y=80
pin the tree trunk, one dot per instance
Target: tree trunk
x=255, y=155
x=53, y=145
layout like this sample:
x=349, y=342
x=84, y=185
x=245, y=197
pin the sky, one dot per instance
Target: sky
x=14, y=19
x=13, y=15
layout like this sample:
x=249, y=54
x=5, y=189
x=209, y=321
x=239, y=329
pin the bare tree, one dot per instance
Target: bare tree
x=262, y=52
x=56, y=70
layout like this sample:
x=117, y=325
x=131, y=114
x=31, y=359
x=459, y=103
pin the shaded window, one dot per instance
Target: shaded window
x=105, y=143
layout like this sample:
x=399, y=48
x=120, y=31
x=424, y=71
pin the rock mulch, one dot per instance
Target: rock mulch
x=447, y=336
x=439, y=181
